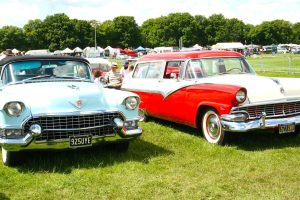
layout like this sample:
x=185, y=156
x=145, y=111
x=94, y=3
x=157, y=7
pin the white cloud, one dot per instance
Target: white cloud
x=18, y=12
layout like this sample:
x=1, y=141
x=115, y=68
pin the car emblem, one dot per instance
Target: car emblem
x=78, y=103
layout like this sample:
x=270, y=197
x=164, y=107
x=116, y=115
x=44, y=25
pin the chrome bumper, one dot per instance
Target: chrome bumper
x=258, y=124
x=29, y=143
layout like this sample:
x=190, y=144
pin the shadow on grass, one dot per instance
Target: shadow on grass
x=249, y=141
x=3, y=196
x=103, y=155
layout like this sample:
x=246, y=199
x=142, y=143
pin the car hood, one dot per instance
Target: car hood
x=259, y=88
x=58, y=97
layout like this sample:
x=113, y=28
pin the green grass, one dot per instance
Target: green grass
x=280, y=65
x=169, y=161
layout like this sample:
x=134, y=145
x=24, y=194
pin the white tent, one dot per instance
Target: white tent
x=109, y=51
x=15, y=51
x=77, y=50
x=228, y=46
x=67, y=50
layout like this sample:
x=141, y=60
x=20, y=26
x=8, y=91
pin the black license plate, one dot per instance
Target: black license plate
x=286, y=128
x=80, y=141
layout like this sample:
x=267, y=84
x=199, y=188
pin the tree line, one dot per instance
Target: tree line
x=58, y=31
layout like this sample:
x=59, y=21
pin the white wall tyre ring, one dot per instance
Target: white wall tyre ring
x=211, y=127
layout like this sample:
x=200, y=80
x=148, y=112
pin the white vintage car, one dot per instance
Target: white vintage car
x=216, y=92
x=51, y=102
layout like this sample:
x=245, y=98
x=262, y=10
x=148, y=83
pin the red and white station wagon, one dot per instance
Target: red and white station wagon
x=215, y=91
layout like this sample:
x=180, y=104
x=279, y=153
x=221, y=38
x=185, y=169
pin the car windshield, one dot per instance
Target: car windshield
x=47, y=69
x=198, y=68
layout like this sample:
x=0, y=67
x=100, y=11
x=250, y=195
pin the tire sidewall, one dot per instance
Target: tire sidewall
x=204, y=120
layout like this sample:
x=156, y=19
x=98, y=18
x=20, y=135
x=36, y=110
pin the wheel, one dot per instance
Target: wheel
x=211, y=127
x=9, y=158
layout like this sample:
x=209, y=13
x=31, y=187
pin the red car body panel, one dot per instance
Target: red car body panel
x=183, y=105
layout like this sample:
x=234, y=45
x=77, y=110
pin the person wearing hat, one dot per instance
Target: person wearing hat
x=124, y=69
x=113, y=78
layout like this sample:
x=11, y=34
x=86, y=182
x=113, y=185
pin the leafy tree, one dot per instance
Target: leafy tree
x=105, y=33
x=216, y=29
x=296, y=33
x=201, y=24
x=59, y=32
x=181, y=25
x=83, y=33
x=125, y=32
x=272, y=32
x=35, y=34
x=154, y=32
x=12, y=37
x=236, y=30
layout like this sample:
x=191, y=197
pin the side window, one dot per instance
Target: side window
x=140, y=70
x=194, y=70
x=147, y=70
x=172, y=69
x=154, y=70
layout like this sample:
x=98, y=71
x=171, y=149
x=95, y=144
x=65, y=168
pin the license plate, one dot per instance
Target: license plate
x=286, y=128
x=80, y=141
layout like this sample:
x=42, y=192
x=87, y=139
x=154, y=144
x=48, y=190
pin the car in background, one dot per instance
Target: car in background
x=52, y=102
x=100, y=64
x=295, y=50
x=215, y=91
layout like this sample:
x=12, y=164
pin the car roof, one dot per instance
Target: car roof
x=11, y=59
x=98, y=60
x=189, y=55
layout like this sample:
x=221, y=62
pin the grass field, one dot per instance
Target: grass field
x=280, y=65
x=169, y=161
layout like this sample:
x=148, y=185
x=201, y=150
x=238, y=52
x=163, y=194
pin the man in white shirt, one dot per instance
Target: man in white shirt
x=124, y=69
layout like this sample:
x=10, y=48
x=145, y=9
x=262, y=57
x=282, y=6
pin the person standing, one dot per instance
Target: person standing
x=124, y=69
x=113, y=78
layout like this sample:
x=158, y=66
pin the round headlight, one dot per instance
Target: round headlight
x=131, y=103
x=14, y=109
x=241, y=96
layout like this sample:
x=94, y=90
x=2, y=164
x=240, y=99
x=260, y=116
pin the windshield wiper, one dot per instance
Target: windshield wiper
x=67, y=77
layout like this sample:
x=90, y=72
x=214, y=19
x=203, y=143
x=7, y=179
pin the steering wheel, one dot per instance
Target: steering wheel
x=235, y=69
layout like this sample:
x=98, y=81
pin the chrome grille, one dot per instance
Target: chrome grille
x=61, y=127
x=272, y=110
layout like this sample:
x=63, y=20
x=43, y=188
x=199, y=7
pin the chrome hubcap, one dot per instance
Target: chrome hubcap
x=213, y=128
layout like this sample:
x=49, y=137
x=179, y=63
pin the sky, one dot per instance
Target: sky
x=19, y=12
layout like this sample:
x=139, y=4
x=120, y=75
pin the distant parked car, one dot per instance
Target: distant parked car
x=295, y=50
x=101, y=64
x=51, y=102
x=216, y=92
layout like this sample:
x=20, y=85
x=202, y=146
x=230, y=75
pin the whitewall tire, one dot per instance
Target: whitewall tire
x=211, y=127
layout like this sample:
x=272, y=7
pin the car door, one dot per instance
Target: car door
x=145, y=82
